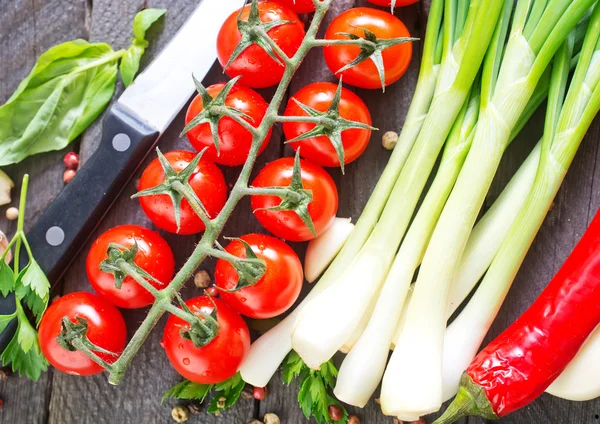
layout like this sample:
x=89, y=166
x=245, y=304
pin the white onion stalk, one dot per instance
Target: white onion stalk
x=323, y=250
x=326, y=322
x=402, y=319
x=580, y=381
x=491, y=230
x=267, y=353
x=360, y=328
x=412, y=384
x=356, y=382
x=566, y=123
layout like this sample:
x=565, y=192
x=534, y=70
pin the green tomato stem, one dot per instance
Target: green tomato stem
x=214, y=227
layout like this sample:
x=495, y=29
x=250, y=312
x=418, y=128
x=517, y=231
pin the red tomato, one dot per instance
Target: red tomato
x=299, y=6
x=254, y=64
x=234, y=140
x=221, y=357
x=276, y=291
x=396, y=59
x=207, y=181
x=106, y=329
x=399, y=3
x=154, y=256
x=320, y=150
x=287, y=224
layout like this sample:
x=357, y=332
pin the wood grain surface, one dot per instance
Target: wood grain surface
x=27, y=28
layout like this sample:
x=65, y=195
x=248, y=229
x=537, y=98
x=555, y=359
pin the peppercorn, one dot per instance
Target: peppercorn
x=389, y=140
x=212, y=291
x=247, y=393
x=221, y=402
x=69, y=175
x=3, y=375
x=202, y=280
x=71, y=160
x=180, y=414
x=353, y=419
x=335, y=413
x=194, y=408
x=259, y=393
x=271, y=419
x=12, y=213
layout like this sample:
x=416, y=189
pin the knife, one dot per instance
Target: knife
x=130, y=129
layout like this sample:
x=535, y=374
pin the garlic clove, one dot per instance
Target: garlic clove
x=6, y=185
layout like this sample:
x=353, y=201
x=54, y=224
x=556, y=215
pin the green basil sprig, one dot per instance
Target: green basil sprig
x=67, y=89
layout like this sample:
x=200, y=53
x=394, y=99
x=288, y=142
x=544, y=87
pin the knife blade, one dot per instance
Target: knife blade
x=130, y=129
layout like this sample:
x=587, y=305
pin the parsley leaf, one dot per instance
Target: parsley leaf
x=227, y=394
x=314, y=397
x=23, y=351
x=188, y=390
x=7, y=279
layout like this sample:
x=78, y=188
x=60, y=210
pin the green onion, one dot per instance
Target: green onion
x=329, y=319
x=567, y=120
x=412, y=384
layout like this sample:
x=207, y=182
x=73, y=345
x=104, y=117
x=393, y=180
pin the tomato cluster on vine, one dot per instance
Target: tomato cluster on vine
x=328, y=125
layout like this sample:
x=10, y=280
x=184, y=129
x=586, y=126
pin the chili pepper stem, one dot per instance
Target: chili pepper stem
x=470, y=400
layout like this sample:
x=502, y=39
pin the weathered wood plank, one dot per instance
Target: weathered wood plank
x=27, y=29
x=92, y=399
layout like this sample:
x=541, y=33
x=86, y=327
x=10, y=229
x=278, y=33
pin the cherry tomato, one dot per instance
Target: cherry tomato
x=287, y=224
x=258, y=70
x=299, y=6
x=153, y=256
x=396, y=59
x=106, y=329
x=276, y=291
x=234, y=140
x=399, y=3
x=207, y=181
x=320, y=150
x=221, y=357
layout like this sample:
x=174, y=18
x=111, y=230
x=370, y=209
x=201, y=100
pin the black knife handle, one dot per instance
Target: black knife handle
x=71, y=218
x=68, y=222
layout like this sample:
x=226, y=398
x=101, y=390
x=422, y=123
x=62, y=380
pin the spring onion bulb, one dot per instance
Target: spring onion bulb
x=356, y=383
x=567, y=120
x=325, y=323
x=581, y=379
x=360, y=328
x=412, y=384
x=322, y=250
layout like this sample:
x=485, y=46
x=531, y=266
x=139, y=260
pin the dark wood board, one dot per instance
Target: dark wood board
x=28, y=28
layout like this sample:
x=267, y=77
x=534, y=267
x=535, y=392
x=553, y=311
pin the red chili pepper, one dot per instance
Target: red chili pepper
x=524, y=360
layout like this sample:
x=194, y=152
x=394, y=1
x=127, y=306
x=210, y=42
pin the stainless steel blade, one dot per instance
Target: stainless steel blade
x=160, y=92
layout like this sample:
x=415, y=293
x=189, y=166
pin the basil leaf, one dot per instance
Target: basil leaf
x=69, y=86
x=130, y=64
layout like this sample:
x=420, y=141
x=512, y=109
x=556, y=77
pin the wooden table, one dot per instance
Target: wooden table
x=27, y=28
